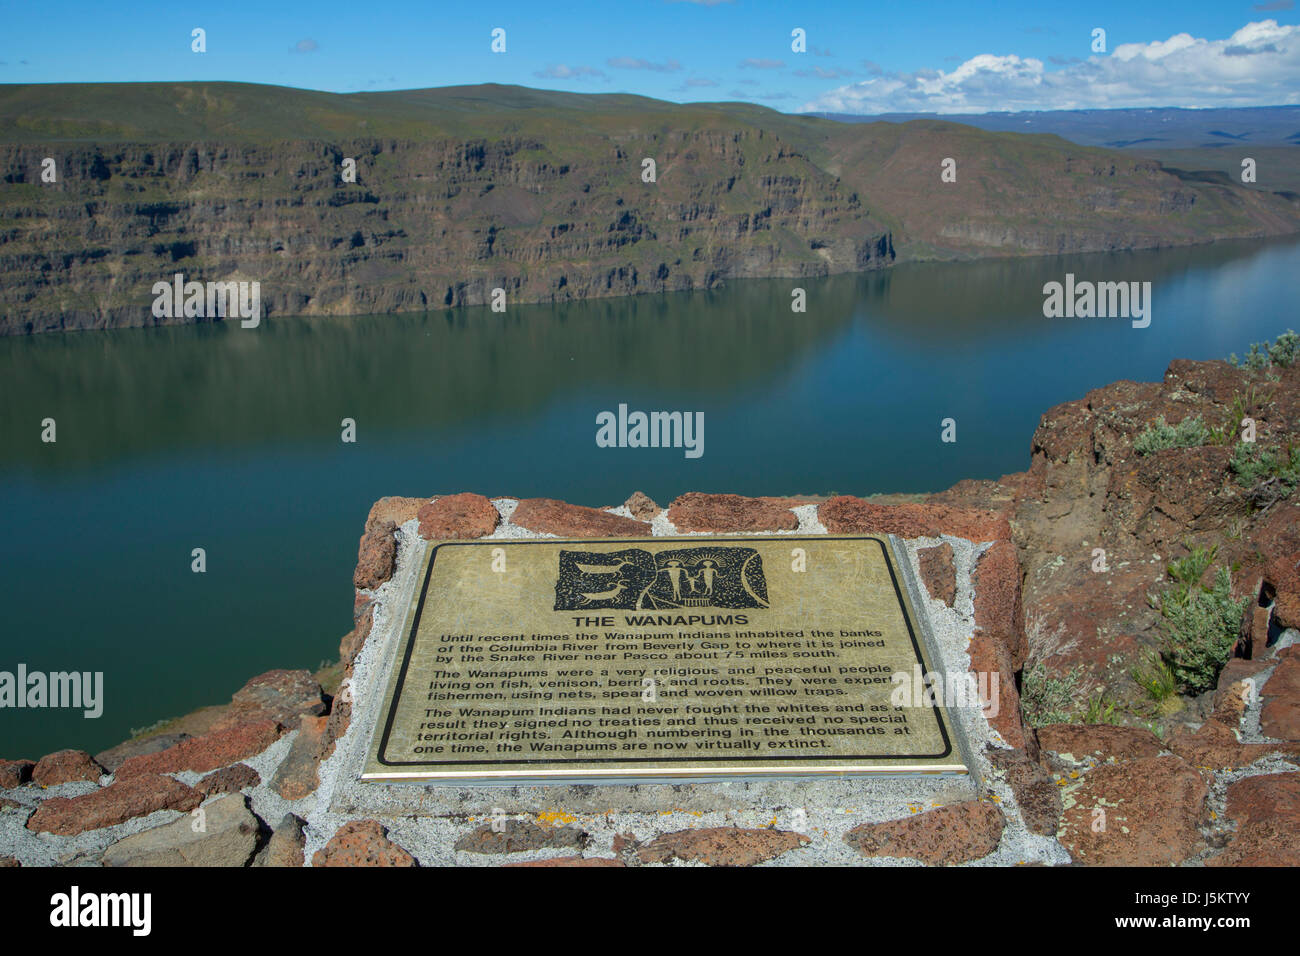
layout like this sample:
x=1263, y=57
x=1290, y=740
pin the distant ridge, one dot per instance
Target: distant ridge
x=168, y=112
x=1163, y=127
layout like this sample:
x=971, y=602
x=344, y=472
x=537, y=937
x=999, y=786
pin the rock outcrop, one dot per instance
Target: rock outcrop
x=1096, y=525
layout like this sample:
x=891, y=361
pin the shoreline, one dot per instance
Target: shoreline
x=1261, y=241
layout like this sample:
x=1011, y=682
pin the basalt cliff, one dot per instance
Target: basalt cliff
x=107, y=189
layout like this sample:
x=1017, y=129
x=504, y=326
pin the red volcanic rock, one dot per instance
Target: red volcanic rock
x=848, y=515
x=723, y=513
x=1216, y=747
x=14, y=773
x=1096, y=625
x=376, y=556
x=641, y=507
x=208, y=752
x=977, y=494
x=455, y=517
x=1087, y=488
x=998, y=608
x=1254, y=626
x=336, y=725
x=1144, y=812
x=990, y=658
x=229, y=780
x=1267, y=811
x=354, y=639
x=1230, y=703
x=1230, y=694
x=394, y=509
x=114, y=757
x=279, y=695
x=1101, y=743
x=1175, y=489
x=361, y=843
x=340, y=715
x=547, y=516
x=1280, y=717
x=1100, y=427
x=516, y=836
x=123, y=800
x=1272, y=796
x=721, y=846
x=297, y=774
x=1037, y=794
x=938, y=572
x=64, y=766
x=1279, y=541
x=287, y=846
x=956, y=833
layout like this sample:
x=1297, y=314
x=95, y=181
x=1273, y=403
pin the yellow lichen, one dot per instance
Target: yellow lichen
x=550, y=818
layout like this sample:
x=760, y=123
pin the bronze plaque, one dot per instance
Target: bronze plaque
x=546, y=660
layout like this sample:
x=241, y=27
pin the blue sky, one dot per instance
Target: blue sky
x=861, y=57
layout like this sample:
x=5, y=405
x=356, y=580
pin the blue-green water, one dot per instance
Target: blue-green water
x=229, y=439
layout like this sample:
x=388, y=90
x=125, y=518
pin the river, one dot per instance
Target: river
x=229, y=439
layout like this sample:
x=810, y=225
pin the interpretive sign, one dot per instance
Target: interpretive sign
x=703, y=657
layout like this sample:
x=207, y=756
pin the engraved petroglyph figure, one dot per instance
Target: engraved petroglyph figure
x=674, y=570
x=709, y=576
x=707, y=570
x=609, y=595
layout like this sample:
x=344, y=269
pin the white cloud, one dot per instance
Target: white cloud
x=1259, y=65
